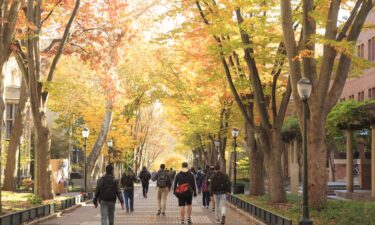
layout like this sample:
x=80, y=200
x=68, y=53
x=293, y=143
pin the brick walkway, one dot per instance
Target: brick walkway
x=145, y=213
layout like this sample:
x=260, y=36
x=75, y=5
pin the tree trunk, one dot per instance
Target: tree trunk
x=14, y=145
x=96, y=150
x=317, y=158
x=273, y=160
x=223, y=161
x=42, y=185
x=230, y=169
x=256, y=178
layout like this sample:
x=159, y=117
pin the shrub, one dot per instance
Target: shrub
x=35, y=200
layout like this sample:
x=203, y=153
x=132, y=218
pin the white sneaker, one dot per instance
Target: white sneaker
x=217, y=220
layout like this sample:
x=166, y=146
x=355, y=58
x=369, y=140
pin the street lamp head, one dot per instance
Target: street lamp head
x=110, y=143
x=85, y=132
x=235, y=132
x=304, y=87
x=217, y=143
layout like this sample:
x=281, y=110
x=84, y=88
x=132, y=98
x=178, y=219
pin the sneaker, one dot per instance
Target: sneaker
x=163, y=213
x=182, y=222
x=159, y=212
x=189, y=220
x=223, y=220
x=207, y=206
x=217, y=220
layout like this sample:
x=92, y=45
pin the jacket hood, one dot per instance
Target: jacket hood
x=184, y=170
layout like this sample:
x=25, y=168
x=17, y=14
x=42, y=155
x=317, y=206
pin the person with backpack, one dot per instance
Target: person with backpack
x=199, y=177
x=106, y=191
x=205, y=189
x=208, y=181
x=145, y=177
x=184, y=189
x=127, y=182
x=172, y=174
x=163, y=184
x=220, y=187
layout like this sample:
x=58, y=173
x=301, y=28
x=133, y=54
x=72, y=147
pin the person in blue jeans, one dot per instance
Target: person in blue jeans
x=105, y=195
x=127, y=182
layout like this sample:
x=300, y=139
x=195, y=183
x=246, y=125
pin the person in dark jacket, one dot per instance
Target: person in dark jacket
x=220, y=186
x=185, y=188
x=205, y=188
x=199, y=178
x=106, y=194
x=208, y=183
x=127, y=182
x=145, y=177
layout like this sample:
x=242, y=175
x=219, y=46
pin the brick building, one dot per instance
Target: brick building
x=363, y=87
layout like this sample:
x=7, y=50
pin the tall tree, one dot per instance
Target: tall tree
x=31, y=67
x=327, y=72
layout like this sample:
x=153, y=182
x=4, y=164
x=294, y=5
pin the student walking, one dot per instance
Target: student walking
x=163, y=184
x=199, y=177
x=106, y=191
x=145, y=177
x=220, y=187
x=127, y=182
x=205, y=189
x=208, y=183
x=184, y=189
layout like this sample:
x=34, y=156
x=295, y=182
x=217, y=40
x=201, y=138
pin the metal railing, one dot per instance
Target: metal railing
x=259, y=212
x=28, y=215
x=18, y=218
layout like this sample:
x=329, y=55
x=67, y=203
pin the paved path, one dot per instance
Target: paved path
x=145, y=213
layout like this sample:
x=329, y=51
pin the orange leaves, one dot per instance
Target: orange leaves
x=304, y=54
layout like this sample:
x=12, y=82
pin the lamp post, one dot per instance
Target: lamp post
x=304, y=87
x=110, y=144
x=85, y=135
x=235, y=133
x=217, y=145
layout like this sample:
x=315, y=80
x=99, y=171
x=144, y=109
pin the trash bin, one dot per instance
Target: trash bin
x=239, y=189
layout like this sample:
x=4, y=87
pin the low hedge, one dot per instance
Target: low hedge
x=335, y=212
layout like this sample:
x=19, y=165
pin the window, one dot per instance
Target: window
x=10, y=112
x=351, y=97
x=342, y=100
x=369, y=95
x=361, y=49
x=361, y=96
x=371, y=49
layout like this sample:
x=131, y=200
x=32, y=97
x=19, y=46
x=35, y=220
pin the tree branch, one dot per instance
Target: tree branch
x=349, y=22
x=254, y=74
x=49, y=14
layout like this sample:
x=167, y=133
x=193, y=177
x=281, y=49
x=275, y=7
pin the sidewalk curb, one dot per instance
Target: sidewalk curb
x=57, y=214
x=248, y=216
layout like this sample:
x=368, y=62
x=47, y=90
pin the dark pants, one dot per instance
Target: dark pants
x=129, y=198
x=145, y=188
x=206, y=198
x=107, y=211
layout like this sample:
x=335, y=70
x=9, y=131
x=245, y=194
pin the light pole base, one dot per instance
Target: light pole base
x=305, y=222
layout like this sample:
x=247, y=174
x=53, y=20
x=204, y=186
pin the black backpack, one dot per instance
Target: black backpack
x=163, y=179
x=108, y=189
x=219, y=183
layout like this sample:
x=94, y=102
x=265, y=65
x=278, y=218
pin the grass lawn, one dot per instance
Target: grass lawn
x=13, y=201
x=335, y=212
